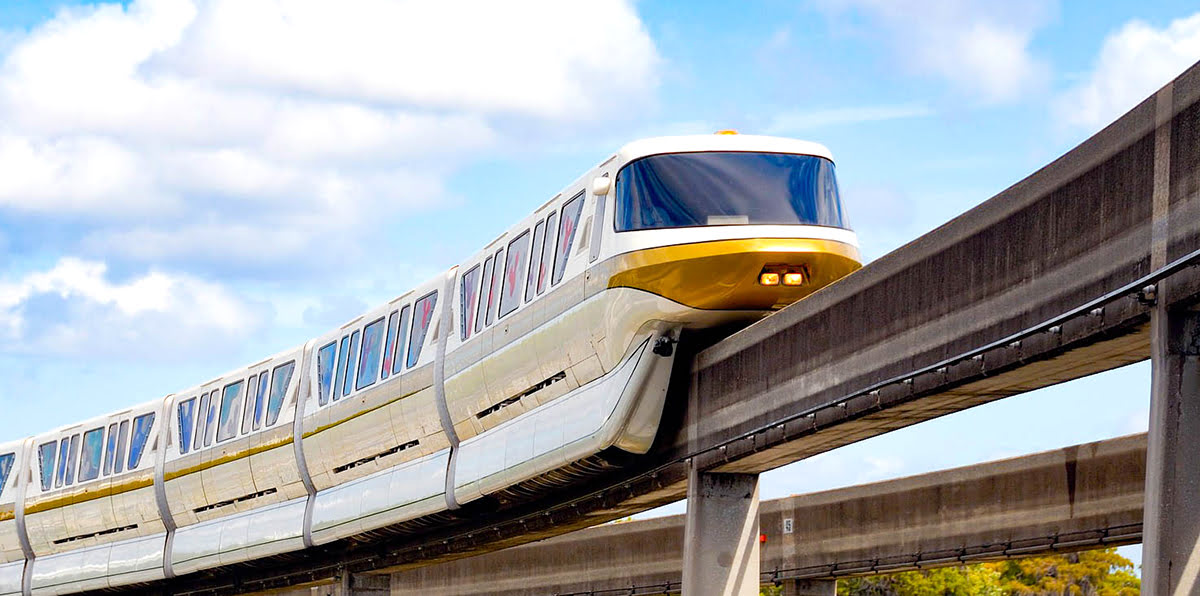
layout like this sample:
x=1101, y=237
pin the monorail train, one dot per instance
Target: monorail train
x=517, y=371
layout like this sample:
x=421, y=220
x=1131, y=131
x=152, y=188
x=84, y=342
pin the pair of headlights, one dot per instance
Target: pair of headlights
x=787, y=278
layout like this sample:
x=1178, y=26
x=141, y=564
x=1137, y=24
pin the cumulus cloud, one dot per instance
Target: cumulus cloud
x=76, y=308
x=978, y=46
x=1133, y=63
x=175, y=129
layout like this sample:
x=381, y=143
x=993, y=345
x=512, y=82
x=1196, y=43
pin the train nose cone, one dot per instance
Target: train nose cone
x=728, y=274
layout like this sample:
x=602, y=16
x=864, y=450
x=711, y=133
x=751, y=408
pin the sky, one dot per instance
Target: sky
x=187, y=186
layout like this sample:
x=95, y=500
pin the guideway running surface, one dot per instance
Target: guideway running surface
x=1048, y=281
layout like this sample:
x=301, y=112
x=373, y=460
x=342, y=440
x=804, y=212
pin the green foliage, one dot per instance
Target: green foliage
x=1088, y=573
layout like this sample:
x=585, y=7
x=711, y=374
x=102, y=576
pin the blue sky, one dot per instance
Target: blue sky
x=189, y=186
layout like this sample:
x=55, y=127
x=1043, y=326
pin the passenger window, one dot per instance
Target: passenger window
x=486, y=291
x=566, y=235
x=141, y=433
x=389, y=347
x=260, y=400
x=248, y=413
x=63, y=452
x=231, y=406
x=281, y=378
x=368, y=359
x=187, y=415
x=494, y=289
x=201, y=414
x=46, y=463
x=6, y=462
x=468, y=292
x=74, y=458
x=339, y=380
x=424, y=314
x=401, y=336
x=122, y=441
x=348, y=372
x=111, y=449
x=535, y=255
x=547, y=253
x=325, y=371
x=210, y=418
x=89, y=462
x=514, y=273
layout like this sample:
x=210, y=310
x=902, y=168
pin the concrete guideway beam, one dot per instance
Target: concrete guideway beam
x=810, y=587
x=721, y=556
x=1171, y=529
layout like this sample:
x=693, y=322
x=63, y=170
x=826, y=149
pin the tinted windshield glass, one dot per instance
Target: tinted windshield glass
x=727, y=188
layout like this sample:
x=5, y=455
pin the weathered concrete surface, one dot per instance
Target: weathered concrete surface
x=1065, y=499
x=1171, y=557
x=720, y=553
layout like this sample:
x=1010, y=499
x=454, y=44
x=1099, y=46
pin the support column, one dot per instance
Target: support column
x=809, y=587
x=720, y=556
x=1171, y=525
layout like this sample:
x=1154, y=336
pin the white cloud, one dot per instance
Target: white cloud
x=979, y=46
x=75, y=308
x=794, y=122
x=171, y=128
x=1133, y=63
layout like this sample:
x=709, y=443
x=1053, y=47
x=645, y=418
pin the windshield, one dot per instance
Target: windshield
x=727, y=188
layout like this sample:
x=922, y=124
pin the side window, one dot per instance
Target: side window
x=547, y=259
x=187, y=415
x=486, y=297
x=89, y=461
x=348, y=372
x=260, y=400
x=141, y=433
x=46, y=463
x=111, y=450
x=514, y=273
x=280, y=379
x=231, y=406
x=598, y=228
x=535, y=254
x=210, y=418
x=372, y=350
x=341, y=368
x=251, y=395
x=566, y=235
x=6, y=462
x=468, y=292
x=72, y=460
x=201, y=414
x=122, y=441
x=325, y=371
x=389, y=345
x=63, y=452
x=493, y=295
x=401, y=336
x=424, y=314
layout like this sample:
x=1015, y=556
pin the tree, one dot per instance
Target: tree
x=1087, y=573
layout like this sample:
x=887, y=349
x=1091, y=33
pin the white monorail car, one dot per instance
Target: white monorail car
x=510, y=372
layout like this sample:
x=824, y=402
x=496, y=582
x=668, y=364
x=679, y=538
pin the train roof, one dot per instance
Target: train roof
x=726, y=141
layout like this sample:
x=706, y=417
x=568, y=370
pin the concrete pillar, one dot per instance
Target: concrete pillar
x=1171, y=525
x=720, y=556
x=809, y=587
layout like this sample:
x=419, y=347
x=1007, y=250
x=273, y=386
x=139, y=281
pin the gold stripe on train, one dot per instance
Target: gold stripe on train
x=723, y=274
